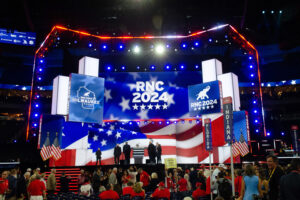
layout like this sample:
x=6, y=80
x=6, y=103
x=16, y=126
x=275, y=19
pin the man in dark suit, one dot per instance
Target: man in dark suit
x=158, y=152
x=117, y=154
x=151, y=152
x=98, y=156
x=127, y=151
x=274, y=175
x=289, y=187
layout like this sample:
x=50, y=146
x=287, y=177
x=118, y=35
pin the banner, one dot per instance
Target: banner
x=170, y=163
x=241, y=125
x=205, y=98
x=86, y=99
x=208, y=138
x=147, y=95
x=228, y=119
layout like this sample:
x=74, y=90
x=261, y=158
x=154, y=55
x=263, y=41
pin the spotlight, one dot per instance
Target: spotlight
x=182, y=67
x=168, y=122
x=252, y=75
x=123, y=67
x=196, y=66
x=137, y=67
x=254, y=102
x=184, y=45
x=282, y=133
x=256, y=130
x=210, y=40
x=90, y=45
x=280, y=11
x=159, y=122
x=167, y=67
x=268, y=133
x=36, y=105
x=35, y=124
x=159, y=49
x=196, y=44
x=251, y=66
x=136, y=49
x=108, y=68
x=168, y=46
x=34, y=135
x=263, y=12
x=255, y=111
x=252, y=84
x=40, y=69
x=36, y=115
x=37, y=96
x=41, y=61
x=75, y=41
x=121, y=46
x=104, y=46
x=272, y=11
x=256, y=121
x=39, y=78
x=152, y=67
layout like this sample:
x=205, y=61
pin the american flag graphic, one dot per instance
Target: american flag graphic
x=181, y=139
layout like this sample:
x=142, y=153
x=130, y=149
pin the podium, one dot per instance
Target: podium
x=138, y=154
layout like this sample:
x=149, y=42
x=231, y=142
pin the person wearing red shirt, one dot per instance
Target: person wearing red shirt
x=161, y=192
x=109, y=193
x=36, y=189
x=238, y=181
x=128, y=190
x=3, y=184
x=198, y=192
x=182, y=183
x=144, y=177
x=138, y=191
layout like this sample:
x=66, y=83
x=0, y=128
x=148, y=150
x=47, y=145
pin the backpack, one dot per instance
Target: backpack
x=224, y=189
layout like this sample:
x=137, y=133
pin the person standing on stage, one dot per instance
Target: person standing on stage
x=51, y=182
x=98, y=156
x=274, y=175
x=127, y=151
x=151, y=152
x=158, y=152
x=117, y=154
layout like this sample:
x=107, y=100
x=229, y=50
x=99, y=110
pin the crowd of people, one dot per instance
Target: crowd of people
x=268, y=181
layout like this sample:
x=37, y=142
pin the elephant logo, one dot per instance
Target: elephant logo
x=203, y=94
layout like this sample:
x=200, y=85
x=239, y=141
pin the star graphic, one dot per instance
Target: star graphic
x=133, y=132
x=212, y=106
x=134, y=75
x=112, y=117
x=103, y=142
x=157, y=106
x=153, y=78
x=135, y=107
x=203, y=108
x=143, y=114
x=107, y=95
x=88, y=146
x=131, y=86
x=62, y=134
x=293, y=82
x=124, y=104
x=82, y=124
x=195, y=109
x=199, y=108
x=100, y=129
x=112, y=127
x=142, y=107
x=109, y=132
x=150, y=106
x=170, y=99
x=95, y=138
x=165, y=106
x=118, y=135
x=207, y=107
